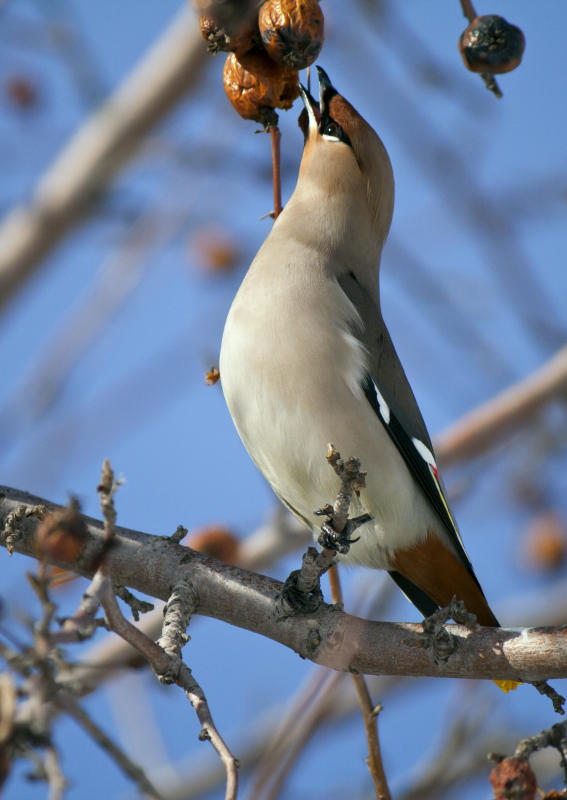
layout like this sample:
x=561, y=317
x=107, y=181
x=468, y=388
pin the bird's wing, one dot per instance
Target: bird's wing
x=388, y=391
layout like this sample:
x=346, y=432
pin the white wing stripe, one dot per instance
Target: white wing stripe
x=384, y=407
x=424, y=452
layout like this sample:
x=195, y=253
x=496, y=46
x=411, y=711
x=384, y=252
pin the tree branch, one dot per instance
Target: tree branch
x=329, y=637
x=96, y=152
x=485, y=426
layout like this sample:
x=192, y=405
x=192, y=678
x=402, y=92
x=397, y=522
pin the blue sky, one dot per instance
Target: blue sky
x=474, y=289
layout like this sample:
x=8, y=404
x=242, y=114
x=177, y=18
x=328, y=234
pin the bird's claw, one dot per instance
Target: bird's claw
x=304, y=602
x=331, y=540
x=341, y=542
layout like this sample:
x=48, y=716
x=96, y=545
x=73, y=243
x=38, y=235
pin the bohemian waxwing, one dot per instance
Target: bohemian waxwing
x=306, y=359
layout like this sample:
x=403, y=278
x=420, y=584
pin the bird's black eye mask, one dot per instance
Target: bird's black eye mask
x=332, y=131
x=328, y=127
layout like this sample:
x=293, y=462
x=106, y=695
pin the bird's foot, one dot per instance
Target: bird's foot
x=340, y=542
x=436, y=638
x=302, y=601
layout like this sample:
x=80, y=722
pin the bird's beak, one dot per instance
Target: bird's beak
x=326, y=91
x=309, y=118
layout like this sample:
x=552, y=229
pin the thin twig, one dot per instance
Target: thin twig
x=276, y=740
x=556, y=736
x=352, y=481
x=307, y=709
x=468, y=732
x=55, y=778
x=177, y=614
x=321, y=698
x=67, y=703
x=276, y=137
x=136, y=605
x=173, y=670
x=44, y=695
x=369, y=711
x=209, y=731
x=491, y=84
x=82, y=624
x=107, y=489
x=468, y=10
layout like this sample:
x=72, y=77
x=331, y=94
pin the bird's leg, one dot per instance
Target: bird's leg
x=302, y=589
x=329, y=539
x=436, y=638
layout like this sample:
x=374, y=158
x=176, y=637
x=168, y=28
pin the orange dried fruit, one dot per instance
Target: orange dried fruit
x=228, y=26
x=63, y=533
x=212, y=376
x=545, y=542
x=215, y=541
x=491, y=44
x=215, y=250
x=292, y=31
x=256, y=86
x=21, y=91
x=513, y=777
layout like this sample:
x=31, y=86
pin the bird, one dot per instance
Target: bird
x=306, y=359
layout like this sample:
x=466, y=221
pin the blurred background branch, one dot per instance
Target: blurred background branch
x=74, y=183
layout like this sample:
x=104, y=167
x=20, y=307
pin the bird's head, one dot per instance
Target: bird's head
x=341, y=150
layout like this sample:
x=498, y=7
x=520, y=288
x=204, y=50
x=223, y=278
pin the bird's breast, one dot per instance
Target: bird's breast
x=291, y=371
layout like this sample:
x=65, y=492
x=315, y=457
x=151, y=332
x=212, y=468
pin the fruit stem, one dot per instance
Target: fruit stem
x=276, y=136
x=468, y=10
x=487, y=77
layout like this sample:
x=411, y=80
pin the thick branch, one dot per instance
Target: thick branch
x=329, y=637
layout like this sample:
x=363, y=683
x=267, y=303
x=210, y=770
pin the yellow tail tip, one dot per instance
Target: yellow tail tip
x=508, y=686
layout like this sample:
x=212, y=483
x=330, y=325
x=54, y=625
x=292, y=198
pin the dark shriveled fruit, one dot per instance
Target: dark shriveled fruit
x=292, y=31
x=229, y=27
x=256, y=85
x=490, y=44
x=513, y=779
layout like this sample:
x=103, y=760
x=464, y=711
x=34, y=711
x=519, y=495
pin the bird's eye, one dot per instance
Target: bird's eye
x=332, y=129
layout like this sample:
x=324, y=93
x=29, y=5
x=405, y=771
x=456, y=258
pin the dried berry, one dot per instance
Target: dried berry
x=545, y=542
x=212, y=376
x=215, y=250
x=230, y=26
x=490, y=44
x=256, y=85
x=21, y=91
x=216, y=542
x=513, y=779
x=62, y=534
x=292, y=31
